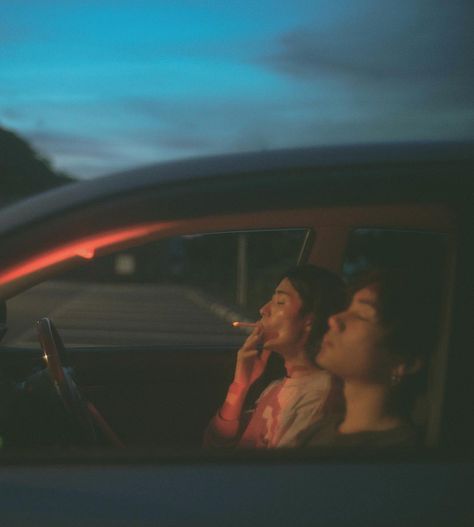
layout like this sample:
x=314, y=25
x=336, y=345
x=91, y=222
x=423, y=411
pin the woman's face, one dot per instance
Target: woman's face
x=352, y=348
x=285, y=330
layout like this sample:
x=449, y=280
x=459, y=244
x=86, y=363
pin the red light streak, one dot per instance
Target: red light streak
x=84, y=248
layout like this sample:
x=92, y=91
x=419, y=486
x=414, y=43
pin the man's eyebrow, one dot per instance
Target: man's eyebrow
x=281, y=292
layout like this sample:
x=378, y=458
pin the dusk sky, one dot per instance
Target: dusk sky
x=99, y=86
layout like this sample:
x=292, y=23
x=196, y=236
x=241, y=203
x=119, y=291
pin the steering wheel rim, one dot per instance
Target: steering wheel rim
x=66, y=389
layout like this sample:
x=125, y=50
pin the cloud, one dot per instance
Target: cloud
x=12, y=114
x=127, y=147
x=76, y=154
x=197, y=123
x=396, y=72
x=423, y=39
x=68, y=143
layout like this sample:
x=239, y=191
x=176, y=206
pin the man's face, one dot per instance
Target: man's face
x=352, y=347
x=284, y=329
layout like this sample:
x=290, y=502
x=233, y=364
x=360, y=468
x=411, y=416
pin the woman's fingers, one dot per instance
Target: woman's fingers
x=253, y=339
x=265, y=355
x=248, y=353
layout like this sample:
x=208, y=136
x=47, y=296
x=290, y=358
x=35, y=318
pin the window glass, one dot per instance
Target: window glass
x=185, y=289
x=379, y=248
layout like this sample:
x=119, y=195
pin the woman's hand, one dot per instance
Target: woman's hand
x=251, y=361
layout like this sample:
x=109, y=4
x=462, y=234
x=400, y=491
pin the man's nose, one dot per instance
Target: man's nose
x=336, y=322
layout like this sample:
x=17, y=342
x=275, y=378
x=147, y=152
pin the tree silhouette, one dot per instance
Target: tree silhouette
x=23, y=171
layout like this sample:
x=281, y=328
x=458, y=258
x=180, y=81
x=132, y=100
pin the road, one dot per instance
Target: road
x=121, y=314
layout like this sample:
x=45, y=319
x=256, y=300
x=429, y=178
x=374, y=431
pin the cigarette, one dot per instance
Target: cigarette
x=238, y=324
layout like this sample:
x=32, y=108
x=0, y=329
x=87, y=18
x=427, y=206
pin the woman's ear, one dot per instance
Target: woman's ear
x=402, y=369
x=309, y=321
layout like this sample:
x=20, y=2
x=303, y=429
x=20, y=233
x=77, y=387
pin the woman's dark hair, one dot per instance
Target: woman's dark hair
x=322, y=293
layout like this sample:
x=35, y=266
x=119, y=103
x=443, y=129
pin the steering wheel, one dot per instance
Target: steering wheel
x=83, y=413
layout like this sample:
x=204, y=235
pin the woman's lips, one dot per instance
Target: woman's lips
x=326, y=342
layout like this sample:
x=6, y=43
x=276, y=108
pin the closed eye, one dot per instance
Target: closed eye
x=358, y=316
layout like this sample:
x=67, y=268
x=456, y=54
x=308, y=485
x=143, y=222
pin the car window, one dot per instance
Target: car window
x=370, y=248
x=181, y=290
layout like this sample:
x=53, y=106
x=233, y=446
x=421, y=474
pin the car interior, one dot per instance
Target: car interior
x=141, y=322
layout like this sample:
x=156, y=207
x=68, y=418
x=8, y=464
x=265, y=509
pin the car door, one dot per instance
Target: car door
x=148, y=326
x=354, y=212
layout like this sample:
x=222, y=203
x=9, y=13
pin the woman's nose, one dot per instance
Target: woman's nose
x=264, y=309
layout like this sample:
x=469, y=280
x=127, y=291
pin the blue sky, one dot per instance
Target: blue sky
x=99, y=86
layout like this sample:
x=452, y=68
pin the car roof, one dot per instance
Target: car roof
x=323, y=163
